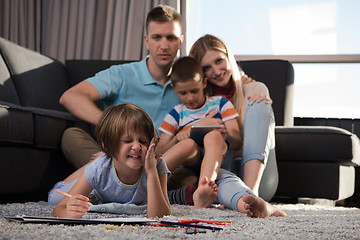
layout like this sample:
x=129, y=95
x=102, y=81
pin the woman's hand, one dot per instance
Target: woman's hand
x=257, y=98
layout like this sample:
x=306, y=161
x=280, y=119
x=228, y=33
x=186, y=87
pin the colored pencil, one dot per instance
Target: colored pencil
x=190, y=225
x=69, y=195
x=205, y=221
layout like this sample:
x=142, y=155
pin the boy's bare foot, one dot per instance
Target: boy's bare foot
x=205, y=194
x=257, y=207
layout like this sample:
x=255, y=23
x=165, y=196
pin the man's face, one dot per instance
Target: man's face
x=163, y=42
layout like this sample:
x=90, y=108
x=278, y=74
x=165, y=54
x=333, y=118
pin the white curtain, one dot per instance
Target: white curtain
x=81, y=29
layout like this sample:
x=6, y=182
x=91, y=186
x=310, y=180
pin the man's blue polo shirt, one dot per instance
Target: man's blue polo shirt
x=133, y=83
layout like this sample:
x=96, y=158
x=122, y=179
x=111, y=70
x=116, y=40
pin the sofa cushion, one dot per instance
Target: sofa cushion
x=317, y=144
x=49, y=126
x=36, y=127
x=7, y=89
x=79, y=70
x=40, y=81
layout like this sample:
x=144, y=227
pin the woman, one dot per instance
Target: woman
x=256, y=120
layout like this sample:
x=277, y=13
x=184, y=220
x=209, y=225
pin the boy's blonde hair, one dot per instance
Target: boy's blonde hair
x=186, y=69
x=210, y=42
x=119, y=120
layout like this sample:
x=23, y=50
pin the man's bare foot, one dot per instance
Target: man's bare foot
x=257, y=207
x=205, y=194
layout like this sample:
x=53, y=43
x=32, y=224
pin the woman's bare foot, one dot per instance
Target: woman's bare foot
x=256, y=207
x=205, y=194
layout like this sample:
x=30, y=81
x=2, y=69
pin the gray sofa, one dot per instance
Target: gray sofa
x=31, y=123
x=314, y=162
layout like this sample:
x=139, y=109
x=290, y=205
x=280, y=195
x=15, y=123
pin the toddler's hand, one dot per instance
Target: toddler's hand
x=150, y=161
x=77, y=206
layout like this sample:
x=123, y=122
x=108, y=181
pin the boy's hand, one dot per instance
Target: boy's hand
x=150, y=160
x=182, y=135
x=223, y=131
x=77, y=206
x=209, y=120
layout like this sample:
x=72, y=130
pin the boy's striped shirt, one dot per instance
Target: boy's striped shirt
x=181, y=117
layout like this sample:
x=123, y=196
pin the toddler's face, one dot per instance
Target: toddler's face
x=132, y=150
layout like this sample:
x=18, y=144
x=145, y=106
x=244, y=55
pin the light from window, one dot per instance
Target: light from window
x=327, y=90
x=278, y=27
x=297, y=27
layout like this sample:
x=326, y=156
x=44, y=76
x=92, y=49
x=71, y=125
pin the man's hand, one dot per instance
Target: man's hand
x=96, y=155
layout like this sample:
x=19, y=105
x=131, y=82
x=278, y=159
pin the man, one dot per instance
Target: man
x=145, y=83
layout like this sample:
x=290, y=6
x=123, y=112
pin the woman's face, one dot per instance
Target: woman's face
x=216, y=68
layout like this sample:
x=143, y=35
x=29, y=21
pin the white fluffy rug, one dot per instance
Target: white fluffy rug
x=303, y=222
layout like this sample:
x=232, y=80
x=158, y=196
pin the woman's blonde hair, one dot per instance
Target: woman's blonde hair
x=119, y=120
x=210, y=42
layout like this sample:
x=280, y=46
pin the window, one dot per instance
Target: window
x=320, y=37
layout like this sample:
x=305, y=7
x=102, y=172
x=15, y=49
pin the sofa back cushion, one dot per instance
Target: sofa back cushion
x=79, y=70
x=278, y=76
x=7, y=89
x=39, y=80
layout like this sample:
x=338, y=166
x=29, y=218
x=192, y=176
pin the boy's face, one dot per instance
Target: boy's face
x=191, y=93
x=163, y=42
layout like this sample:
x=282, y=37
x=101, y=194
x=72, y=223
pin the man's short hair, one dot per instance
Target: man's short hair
x=162, y=13
x=186, y=69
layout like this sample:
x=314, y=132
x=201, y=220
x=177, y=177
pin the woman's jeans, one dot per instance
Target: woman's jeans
x=259, y=143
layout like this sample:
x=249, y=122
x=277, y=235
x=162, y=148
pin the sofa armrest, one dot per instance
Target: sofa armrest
x=16, y=124
x=317, y=143
x=37, y=127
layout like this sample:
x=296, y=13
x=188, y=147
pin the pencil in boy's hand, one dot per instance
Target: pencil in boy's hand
x=68, y=195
